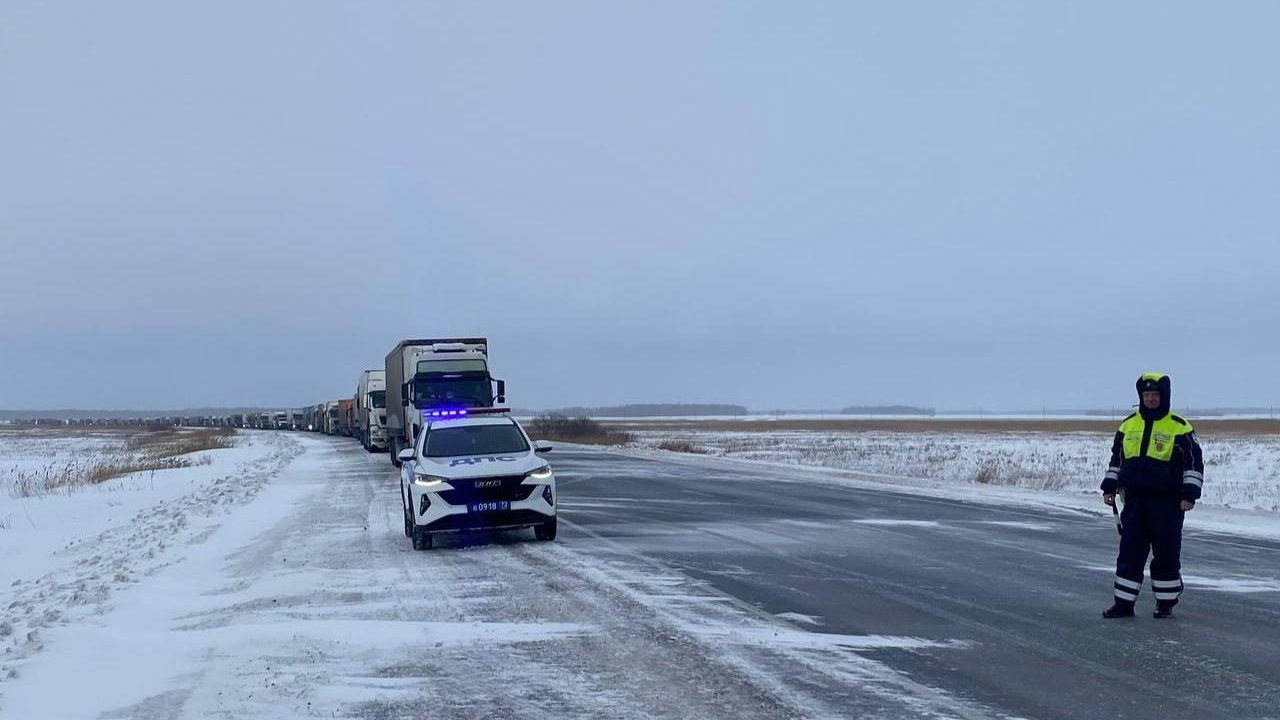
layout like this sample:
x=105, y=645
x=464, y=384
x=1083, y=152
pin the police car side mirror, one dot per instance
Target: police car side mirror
x=407, y=455
x=542, y=446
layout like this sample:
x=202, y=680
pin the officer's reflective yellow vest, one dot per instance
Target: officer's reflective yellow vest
x=1158, y=445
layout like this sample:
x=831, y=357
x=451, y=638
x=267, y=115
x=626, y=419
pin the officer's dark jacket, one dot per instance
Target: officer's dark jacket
x=1155, y=452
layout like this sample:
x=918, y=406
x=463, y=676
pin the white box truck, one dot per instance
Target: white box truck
x=438, y=373
x=371, y=410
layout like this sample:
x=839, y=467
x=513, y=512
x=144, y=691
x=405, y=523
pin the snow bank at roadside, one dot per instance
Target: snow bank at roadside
x=65, y=553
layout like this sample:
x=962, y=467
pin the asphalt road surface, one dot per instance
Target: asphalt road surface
x=1023, y=587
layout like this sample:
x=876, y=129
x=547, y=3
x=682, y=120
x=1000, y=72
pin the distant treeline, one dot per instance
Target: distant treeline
x=652, y=410
x=888, y=410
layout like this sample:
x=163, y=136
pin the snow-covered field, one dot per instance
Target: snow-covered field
x=1063, y=470
x=1241, y=471
x=30, y=451
x=65, y=553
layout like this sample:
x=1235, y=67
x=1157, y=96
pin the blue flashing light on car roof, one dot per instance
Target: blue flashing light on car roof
x=444, y=413
x=453, y=413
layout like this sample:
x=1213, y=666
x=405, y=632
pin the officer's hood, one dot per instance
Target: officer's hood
x=1160, y=383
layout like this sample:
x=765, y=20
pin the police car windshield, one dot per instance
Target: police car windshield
x=474, y=440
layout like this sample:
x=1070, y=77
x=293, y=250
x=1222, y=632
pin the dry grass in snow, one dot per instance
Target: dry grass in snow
x=118, y=452
x=575, y=430
x=1241, y=470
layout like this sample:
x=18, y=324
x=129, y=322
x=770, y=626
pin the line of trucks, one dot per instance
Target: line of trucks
x=386, y=412
x=465, y=463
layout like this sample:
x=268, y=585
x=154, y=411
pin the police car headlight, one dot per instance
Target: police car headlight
x=541, y=473
x=427, y=482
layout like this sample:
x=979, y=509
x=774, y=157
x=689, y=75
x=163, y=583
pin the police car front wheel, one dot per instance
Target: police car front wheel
x=546, y=531
x=421, y=539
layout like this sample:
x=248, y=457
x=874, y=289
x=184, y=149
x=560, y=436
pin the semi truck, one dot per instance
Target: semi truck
x=449, y=374
x=329, y=421
x=371, y=410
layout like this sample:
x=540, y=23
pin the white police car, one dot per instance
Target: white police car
x=475, y=469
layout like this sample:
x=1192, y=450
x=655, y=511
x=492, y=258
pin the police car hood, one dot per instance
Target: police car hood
x=478, y=466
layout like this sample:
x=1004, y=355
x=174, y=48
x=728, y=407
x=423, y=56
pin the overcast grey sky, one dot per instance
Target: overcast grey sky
x=793, y=204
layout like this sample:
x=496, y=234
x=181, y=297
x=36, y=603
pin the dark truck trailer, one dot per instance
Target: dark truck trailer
x=435, y=373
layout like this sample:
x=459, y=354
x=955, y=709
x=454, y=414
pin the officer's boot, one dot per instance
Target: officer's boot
x=1164, y=609
x=1121, y=609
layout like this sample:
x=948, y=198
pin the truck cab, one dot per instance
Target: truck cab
x=423, y=375
x=371, y=410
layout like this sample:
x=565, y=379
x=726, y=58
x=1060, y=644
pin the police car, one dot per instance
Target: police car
x=475, y=469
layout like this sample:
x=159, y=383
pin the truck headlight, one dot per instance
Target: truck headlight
x=426, y=482
x=541, y=473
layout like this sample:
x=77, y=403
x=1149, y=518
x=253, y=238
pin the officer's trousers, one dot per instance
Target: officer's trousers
x=1151, y=525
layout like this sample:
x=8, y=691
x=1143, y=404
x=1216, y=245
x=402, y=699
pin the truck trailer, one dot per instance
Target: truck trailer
x=347, y=417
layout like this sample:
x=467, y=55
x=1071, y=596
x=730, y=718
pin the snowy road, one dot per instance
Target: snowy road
x=1023, y=587
x=674, y=592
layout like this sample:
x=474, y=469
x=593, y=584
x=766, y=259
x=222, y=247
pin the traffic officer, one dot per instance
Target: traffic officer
x=1157, y=471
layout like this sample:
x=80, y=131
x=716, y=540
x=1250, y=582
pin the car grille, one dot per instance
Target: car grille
x=509, y=488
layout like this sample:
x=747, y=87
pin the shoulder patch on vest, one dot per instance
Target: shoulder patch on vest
x=1177, y=419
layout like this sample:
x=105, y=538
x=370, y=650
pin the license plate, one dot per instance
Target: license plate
x=488, y=507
